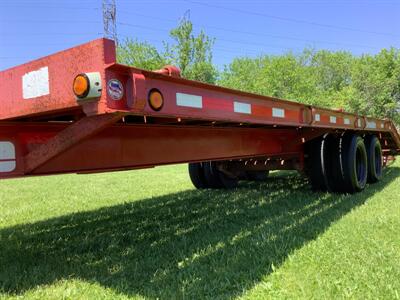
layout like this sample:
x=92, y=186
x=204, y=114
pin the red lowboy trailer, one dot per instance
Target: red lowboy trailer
x=79, y=111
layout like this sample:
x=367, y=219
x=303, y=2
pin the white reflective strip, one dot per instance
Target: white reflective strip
x=332, y=119
x=36, y=83
x=7, y=166
x=240, y=107
x=346, y=121
x=278, y=112
x=359, y=122
x=189, y=100
x=7, y=150
x=317, y=117
x=371, y=124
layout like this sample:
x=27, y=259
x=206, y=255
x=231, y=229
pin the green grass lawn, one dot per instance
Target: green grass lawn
x=150, y=234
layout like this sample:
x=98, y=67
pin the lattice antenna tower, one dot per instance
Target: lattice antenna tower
x=110, y=20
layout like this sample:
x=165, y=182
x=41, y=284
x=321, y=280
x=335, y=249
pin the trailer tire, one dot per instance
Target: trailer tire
x=211, y=175
x=331, y=165
x=354, y=163
x=257, y=175
x=227, y=182
x=313, y=164
x=196, y=174
x=217, y=179
x=374, y=156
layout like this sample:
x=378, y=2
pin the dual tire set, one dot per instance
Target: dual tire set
x=343, y=164
x=208, y=175
x=334, y=163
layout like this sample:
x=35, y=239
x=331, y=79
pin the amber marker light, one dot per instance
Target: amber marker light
x=156, y=100
x=81, y=86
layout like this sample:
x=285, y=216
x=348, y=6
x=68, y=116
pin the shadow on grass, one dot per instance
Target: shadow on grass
x=193, y=244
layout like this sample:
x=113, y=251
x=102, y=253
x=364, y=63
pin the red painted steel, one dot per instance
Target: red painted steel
x=67, y=138
x=62, y=68
x=197, y=121
x=123, y=146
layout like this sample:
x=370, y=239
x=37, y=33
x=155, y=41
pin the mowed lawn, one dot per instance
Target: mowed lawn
x=149, y=234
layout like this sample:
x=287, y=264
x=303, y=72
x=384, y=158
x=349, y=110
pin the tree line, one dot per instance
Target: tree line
x=366, y=84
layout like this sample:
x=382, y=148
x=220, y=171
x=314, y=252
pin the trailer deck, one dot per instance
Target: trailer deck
x=79, y=111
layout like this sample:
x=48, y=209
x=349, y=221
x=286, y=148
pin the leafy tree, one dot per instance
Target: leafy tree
x=332, y=70
x=279, y=76
x=192, y=54
x=376, y=80
x=368, y=85
x=140, y=55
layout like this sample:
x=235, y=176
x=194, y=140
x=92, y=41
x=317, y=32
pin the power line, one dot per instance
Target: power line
x=52, y=21
x=298, y=21
x=264, y=34
x=205, y=26
x=39, y=43
x=256, y=44
x=50, y=1
x=48, y=6
x=217, y=48
x=48, y=34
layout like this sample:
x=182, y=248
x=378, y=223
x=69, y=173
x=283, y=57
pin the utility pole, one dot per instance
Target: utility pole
x=110, y=20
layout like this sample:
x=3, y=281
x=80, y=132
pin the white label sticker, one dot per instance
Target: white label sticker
x=189, y=100
x=7, y=151
x=35, y=83
x=240, y=107
x=278, y=112
x=7, y=157
x=7, y=166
